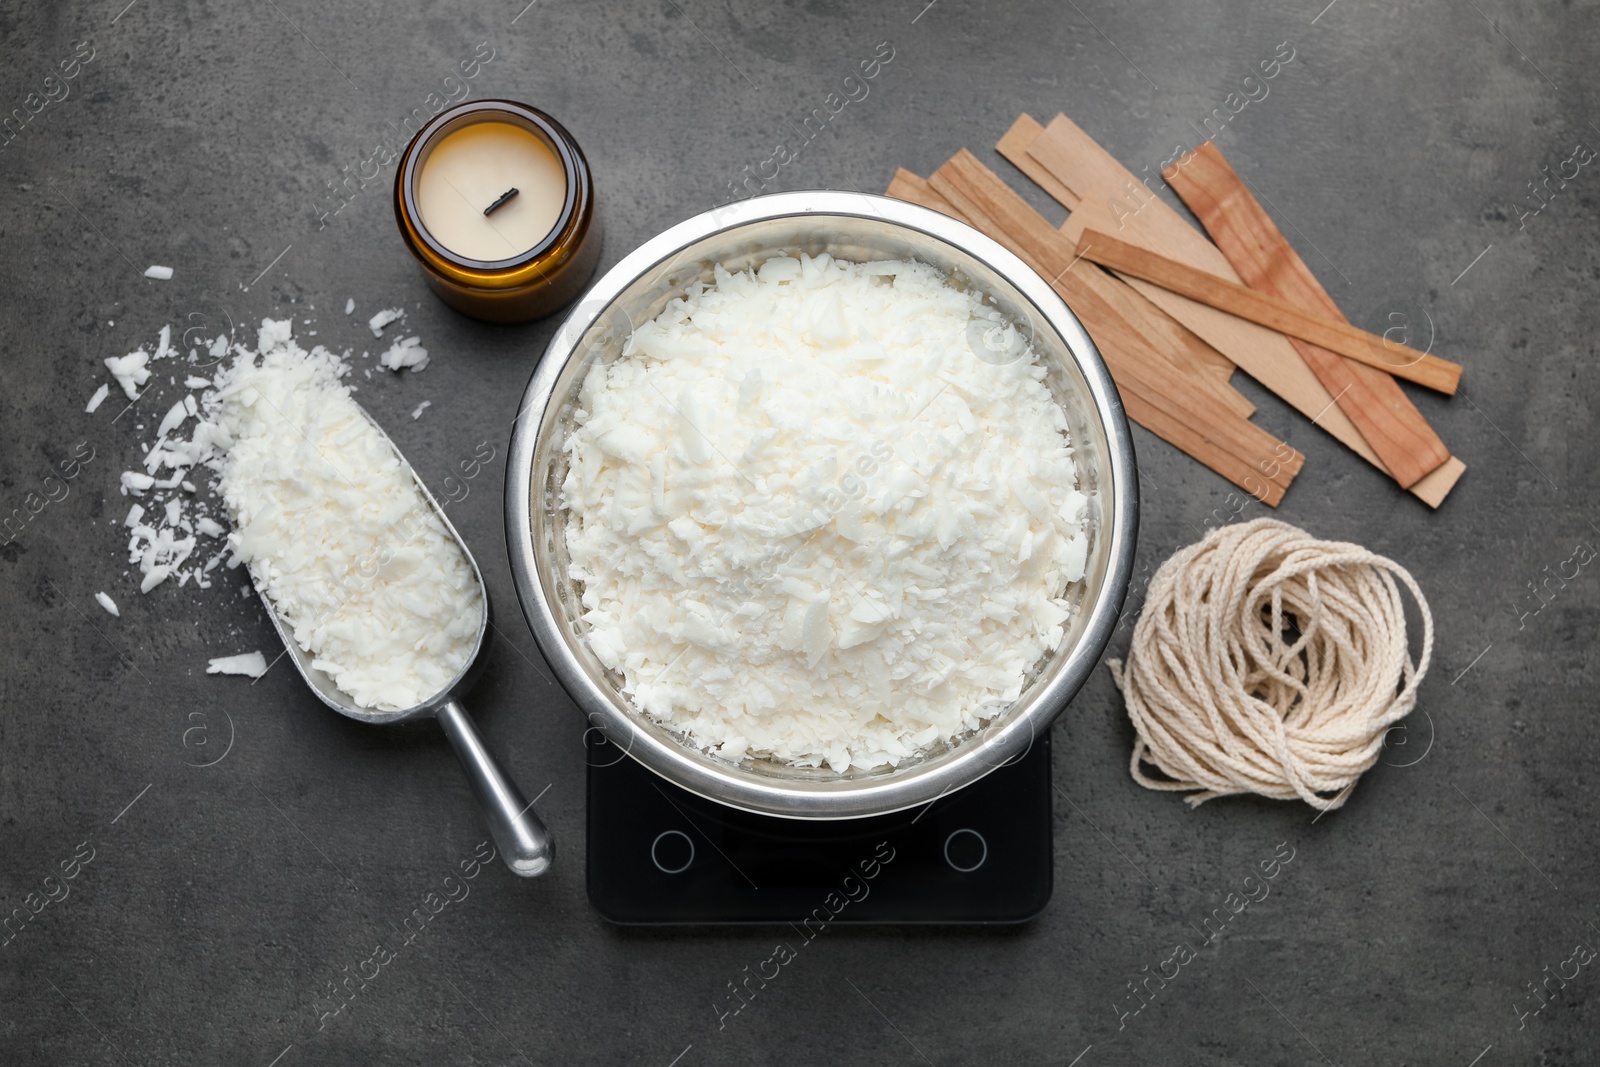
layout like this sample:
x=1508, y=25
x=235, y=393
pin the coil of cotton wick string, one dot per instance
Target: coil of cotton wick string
x=1267, y=661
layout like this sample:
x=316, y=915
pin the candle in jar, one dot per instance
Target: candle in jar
x=472, y=169
x=495, y=200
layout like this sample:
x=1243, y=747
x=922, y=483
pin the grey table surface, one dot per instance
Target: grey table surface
x=236, y=848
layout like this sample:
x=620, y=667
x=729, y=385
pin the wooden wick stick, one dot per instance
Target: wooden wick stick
x=1269, y=311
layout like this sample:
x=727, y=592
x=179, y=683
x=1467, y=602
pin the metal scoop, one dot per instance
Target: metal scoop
x=519, y=836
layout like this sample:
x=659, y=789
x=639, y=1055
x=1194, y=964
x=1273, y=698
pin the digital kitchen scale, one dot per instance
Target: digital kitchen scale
x=658, y=854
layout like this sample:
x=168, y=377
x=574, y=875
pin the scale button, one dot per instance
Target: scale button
x=672, y=851
x=965, y=850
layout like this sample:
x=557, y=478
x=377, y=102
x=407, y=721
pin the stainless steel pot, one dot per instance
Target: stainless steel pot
x=855, y=227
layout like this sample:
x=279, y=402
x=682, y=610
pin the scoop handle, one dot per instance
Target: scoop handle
x=521, y=838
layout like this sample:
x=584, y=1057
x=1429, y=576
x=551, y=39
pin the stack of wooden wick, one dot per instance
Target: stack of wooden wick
x=1174, y=313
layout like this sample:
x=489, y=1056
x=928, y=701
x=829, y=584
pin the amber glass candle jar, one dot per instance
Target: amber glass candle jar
x=495, y=200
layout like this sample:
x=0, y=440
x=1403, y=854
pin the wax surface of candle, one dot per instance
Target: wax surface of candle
x=469, y=169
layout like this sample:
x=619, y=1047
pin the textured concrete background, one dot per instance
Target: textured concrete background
x=216, y=909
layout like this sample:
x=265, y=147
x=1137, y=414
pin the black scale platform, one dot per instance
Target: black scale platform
x=658, y=854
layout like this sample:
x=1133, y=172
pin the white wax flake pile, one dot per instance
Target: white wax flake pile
x=159, y=273
x=382, y=319
x=249, y=664
x=406, y=353
x=110, y=605
x=810, y=524
x=336, y=531
x=416, y=412
x=386, y=606
x=99, y=398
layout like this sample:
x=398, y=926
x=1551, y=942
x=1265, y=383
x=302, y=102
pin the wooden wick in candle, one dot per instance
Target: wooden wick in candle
x=501, y=200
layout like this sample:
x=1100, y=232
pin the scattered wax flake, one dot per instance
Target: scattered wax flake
x=248, y=664
x=130, y=371
x=173, y=418
x=136, y=483
x=382, y=319
x=406, y=353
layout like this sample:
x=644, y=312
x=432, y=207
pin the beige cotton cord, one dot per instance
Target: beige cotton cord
x=1224, y=704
